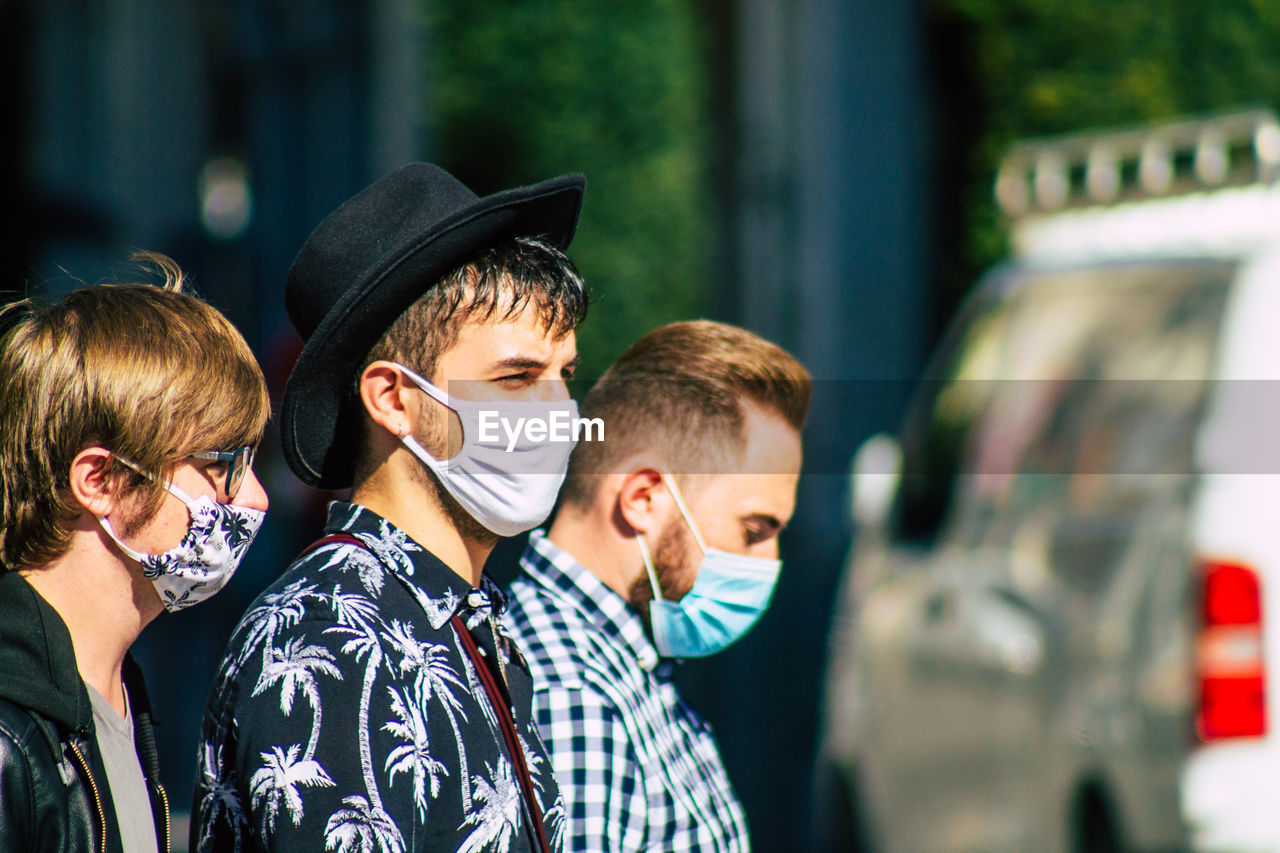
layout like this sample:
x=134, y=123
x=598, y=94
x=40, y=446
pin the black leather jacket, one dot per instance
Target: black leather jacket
x=53, y=787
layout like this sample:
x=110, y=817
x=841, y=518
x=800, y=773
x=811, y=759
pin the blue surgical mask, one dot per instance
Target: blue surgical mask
x=729, y=594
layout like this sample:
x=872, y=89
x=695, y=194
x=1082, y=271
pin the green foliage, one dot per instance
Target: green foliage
x=1051, y=66
x=526, y=89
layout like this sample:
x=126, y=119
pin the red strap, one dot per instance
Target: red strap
x=331, y=539
x=507, y=724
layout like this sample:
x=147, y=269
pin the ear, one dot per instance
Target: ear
x=91, y=483
x=387, y=398
x=643, y=501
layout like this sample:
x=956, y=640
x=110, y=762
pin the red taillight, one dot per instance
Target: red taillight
x=1230, y=595
x=1229, y=654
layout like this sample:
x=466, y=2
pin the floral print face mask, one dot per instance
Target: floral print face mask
x=206, y=558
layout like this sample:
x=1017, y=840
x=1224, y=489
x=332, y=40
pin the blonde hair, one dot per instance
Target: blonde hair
x=681, y=389
x=148, y=372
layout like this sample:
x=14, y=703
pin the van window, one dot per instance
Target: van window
x=944, y=410
x=1078, y=390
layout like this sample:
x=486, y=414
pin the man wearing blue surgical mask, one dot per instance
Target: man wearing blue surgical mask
x=665, y=547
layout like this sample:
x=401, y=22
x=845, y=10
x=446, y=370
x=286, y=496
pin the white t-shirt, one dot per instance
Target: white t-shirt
x=124, y=775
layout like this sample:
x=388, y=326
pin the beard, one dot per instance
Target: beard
x=670, y=564
x=464, y=522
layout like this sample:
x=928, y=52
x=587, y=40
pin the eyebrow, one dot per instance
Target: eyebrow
x=525, y=363
x=520, y=363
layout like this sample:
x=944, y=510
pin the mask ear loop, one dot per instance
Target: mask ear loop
x=431, y=390
x=440, y=397
x=136, y=556
x=178, y=493
x=648, y=567
x=169, y=487
x=684, y=510
x=418, y=450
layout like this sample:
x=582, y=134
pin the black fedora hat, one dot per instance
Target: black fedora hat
x=364, y=265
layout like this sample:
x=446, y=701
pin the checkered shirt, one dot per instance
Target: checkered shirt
x=639, y=770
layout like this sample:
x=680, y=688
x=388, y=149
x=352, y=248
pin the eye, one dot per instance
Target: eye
x=757, y=529
x=514, y=380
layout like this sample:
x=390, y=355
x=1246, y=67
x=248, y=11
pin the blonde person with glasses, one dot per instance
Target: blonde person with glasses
x=128, y=418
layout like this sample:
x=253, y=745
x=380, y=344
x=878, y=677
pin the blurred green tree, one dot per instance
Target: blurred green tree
x=525, y=89
x=1006, y=69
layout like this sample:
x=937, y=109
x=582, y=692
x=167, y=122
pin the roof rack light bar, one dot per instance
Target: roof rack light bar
x=1101, y=167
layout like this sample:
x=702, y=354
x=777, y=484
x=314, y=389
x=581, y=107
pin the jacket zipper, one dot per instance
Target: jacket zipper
x=168, y=831
x=97, y=798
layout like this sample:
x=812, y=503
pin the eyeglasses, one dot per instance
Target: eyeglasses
x=237, y=461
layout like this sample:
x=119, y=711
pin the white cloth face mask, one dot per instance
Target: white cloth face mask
x=501, y=476
x=201, y=564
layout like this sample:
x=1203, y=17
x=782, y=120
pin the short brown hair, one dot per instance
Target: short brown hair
x=148, y=372
x=681, y=388
x=503, y=281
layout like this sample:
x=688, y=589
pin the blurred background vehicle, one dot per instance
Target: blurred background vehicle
x=1057, y=630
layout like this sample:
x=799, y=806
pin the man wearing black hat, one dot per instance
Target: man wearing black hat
x=369, y=699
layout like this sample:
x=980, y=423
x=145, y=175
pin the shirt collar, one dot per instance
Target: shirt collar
x=438, y=589
x=559, y=572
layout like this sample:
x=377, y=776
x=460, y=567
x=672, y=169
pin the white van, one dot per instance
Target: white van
x=1058, y=628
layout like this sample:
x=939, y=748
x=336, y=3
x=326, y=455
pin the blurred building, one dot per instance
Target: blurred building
x=827, y=233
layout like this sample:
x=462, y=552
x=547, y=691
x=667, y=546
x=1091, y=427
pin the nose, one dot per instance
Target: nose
x=768, y=549
x=556, y=389
x=251, y=493
x=550, y=387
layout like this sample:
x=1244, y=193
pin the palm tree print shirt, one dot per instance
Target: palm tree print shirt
x=346, y=715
